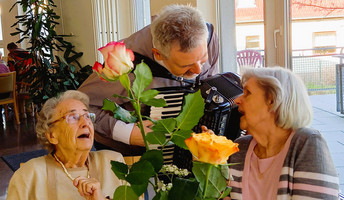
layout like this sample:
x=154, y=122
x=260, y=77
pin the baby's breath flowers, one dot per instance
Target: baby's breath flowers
x=169, y=171
x=174, y=170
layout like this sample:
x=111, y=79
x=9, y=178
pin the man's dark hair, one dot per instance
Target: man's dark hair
x=12, y=45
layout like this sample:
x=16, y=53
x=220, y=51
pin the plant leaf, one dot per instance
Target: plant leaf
x=118, y=112
x=124, y=115
x=125, y=192
x=120, y=169
x=161, y=195
x=183, y=189
x=156, y=102
x=140, y=172
x=155, y=158
x=156, y=137
x=143, y=78
x=140, y=189
x=226, y=192
x=124, y=79
x=148, y=95
x=216, y=182
x=180, y=136
x=193, y=110
x=224, y=171
x=109, y=105
x=165, y=125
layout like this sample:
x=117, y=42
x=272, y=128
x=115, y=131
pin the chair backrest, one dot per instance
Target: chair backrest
x=7, y=82
x=249, y=57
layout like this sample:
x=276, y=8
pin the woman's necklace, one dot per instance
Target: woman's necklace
x=65, y=170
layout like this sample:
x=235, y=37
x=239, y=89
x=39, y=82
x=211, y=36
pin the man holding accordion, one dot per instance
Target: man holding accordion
x=180, y=48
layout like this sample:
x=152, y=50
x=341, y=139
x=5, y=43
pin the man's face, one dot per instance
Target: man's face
x=185, y=64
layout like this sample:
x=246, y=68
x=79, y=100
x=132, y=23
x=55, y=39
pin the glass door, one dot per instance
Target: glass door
x=317, y=35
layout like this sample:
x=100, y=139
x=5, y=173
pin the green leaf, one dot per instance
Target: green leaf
x=216, y=182
x=124, y=115
x=193, y=110
x=123, y=97
x=140, y=172
x=118, y=111
x=124, y=79
x=180, y=136
x=226, y=192
x=143, y=78
x=120, y=169
x=156, y=137
x=161, y=195
x=125, y=192
x=109, y=105
x=156, y=102
x=140, y=189
x=148, y=95
x=155, y=158
x=183, y=189
x=165, y=125
x=224, y=171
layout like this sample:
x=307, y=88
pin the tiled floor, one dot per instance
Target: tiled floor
x=331, y=124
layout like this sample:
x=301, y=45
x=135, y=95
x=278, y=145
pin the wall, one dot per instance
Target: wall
x=206, y=7
x=157, y=5
x=78, y=23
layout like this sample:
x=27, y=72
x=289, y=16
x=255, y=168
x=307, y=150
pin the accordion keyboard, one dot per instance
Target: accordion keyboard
x=174, y=101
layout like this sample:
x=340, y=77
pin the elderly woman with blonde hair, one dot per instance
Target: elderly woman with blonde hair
x=280, y=157
x=70, y=170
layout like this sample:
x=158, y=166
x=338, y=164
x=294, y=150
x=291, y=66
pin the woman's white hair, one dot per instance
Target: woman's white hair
x=290, y=100
x=45, y=115
x=182, y=24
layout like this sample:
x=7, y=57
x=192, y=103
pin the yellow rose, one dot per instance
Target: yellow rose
x=210, y=148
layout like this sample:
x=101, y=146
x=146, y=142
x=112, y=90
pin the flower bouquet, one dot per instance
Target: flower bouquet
x=210, y=152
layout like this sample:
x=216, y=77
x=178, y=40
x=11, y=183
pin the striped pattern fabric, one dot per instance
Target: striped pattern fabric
x=308, y=172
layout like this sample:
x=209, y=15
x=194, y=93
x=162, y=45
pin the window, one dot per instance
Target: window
x=1, y=38
x=245, y=4
x=252, y=42
x=324, y=42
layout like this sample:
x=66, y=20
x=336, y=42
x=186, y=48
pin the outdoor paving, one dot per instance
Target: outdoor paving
x=331, y=124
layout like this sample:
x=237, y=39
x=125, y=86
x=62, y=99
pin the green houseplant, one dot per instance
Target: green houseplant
x=55, y=67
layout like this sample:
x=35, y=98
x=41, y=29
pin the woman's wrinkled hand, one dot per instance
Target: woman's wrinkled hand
x=89, y=188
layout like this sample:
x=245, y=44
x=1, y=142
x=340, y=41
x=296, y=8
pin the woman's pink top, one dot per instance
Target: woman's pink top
x=261, y=176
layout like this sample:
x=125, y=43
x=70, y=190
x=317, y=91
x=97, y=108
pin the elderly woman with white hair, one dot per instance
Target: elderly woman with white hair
x=70, y=170
x=280, y=157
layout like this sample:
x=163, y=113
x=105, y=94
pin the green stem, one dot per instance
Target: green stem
x=206, y=180
x=140, y=124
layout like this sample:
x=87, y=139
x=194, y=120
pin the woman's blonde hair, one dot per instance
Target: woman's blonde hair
x=45, y=115
x=290, y=100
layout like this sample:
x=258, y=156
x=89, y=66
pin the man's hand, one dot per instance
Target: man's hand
x=89, y=188
x=136, y=136
x=205, y=129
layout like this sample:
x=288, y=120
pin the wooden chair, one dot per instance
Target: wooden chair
x=8, y=85
x=249, y=57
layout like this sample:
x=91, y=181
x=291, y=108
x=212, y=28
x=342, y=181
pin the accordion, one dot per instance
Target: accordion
x=220, y=114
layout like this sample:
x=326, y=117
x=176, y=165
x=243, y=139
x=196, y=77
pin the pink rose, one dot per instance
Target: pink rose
x=118, y=61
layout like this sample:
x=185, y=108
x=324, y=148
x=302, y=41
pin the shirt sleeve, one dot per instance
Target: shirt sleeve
x=314, y=171
x=122, y=131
